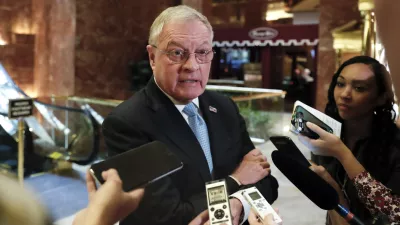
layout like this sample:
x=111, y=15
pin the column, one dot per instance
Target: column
x=332, y=14
x=54, y=25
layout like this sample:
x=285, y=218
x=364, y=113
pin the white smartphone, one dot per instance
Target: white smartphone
x=260, y=205
x=218, y=203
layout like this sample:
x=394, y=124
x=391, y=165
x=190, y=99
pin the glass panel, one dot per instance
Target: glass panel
x=262, y=110
x=55, y=131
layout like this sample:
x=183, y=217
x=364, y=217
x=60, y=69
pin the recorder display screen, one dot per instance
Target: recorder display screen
x=254, y=195
x=217, y=195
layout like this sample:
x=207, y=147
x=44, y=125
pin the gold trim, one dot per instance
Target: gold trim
x=348, y=37
x=256, y=96
x=97, y=101
x=366, y=5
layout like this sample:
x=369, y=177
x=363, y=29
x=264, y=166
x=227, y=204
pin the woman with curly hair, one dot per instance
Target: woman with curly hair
x=364, y=164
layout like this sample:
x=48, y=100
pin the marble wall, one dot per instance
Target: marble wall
x=332, y=14
x=110, y=35
x=17, y=51
x=80, y=47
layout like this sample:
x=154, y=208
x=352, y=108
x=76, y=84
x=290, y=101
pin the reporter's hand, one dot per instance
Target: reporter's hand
x=110, y=203
x=201, y=219
x=327, y=145
x=268, y=220
x=253, y=168
x=236, y=211
x=321, y=171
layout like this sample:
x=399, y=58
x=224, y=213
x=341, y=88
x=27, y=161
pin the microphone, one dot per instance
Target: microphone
x=311, y=185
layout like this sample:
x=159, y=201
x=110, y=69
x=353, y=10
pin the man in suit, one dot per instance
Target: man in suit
x=203, y=128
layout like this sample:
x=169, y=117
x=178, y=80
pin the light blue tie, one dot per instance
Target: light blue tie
x=199, y=128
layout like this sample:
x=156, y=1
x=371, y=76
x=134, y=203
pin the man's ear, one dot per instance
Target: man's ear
x=152, y=56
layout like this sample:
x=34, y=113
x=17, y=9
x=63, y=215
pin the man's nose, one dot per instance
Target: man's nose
x=191, y=63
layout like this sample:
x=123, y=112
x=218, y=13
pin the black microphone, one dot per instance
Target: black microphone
x=311, y=185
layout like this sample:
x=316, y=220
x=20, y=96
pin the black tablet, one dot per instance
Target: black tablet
x=140, y=166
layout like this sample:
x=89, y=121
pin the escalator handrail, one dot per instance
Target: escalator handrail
x=47, y=104
x=59, y=107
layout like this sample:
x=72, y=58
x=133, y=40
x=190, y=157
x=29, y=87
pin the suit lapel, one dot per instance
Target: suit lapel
x=219, y=137
x=171, y=123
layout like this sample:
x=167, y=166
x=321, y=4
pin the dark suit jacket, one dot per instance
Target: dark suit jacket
x=150, y=115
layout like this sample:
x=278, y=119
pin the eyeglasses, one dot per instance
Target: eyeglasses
x=180, y=56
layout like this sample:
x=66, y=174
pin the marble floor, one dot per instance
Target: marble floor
x=65, y=195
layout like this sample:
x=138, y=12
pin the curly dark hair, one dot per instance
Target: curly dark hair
x=383, y=121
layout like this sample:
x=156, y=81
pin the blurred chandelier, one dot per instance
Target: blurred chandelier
x=2, y=41
x=276, y=11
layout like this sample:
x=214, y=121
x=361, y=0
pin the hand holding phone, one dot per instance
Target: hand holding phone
x=299, y=119
x=140, y=166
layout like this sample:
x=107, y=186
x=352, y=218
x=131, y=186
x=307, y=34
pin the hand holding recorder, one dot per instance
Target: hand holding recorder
x=260, y=206
x=219, y=208
x=255, y=220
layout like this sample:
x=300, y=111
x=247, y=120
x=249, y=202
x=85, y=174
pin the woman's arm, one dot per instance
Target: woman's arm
x=376, y=196
x=330, y=145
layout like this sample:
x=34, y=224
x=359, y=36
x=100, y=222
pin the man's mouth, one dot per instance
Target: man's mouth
x=188, y=81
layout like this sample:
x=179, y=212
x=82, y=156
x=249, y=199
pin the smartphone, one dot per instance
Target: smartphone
x=140, y=166
x=286, y=145
x=299, y=119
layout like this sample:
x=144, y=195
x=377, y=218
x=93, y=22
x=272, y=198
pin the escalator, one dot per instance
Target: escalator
x=54, y=132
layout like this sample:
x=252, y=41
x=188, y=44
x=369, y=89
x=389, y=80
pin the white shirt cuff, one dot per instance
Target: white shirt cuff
x=245, y=204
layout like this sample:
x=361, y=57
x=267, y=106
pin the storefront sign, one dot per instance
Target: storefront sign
x=263, y=33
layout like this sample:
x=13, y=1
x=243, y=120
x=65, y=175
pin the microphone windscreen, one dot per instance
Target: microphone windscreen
x=308, y=182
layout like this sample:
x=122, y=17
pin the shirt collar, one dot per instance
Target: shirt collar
x=176, y=103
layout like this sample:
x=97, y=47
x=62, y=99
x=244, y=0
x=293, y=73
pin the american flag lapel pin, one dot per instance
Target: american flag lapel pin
x=212, y=109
